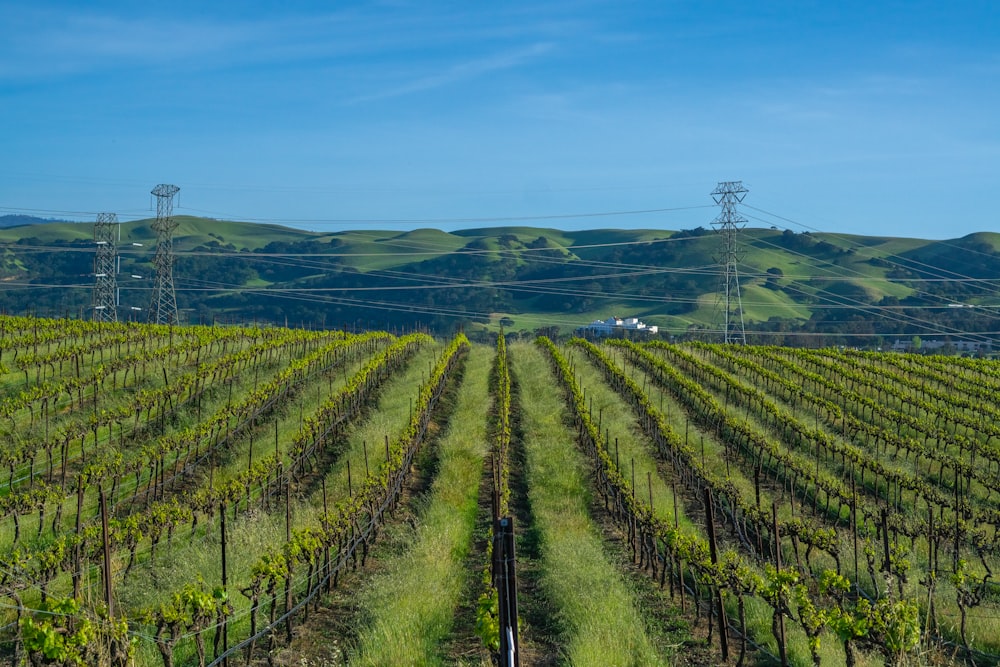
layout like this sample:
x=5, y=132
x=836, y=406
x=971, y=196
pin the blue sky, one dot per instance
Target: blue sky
x=859, y=117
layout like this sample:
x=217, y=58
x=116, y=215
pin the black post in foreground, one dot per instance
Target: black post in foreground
x=505, y=581
x=225, y=588
x=713, y=552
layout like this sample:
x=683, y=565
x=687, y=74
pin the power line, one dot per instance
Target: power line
x=903, y=262
x=850, y=303
x=941, y=275
x=399, y=221
x=470, y=220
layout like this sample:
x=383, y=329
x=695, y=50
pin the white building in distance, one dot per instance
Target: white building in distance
x=616, y=326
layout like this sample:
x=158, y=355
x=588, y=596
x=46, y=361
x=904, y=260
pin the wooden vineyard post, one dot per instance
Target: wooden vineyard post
x=288, y=538
x=777, y=563
x=288, y=506
x=680, y=562
x=958, y=527
x=854, y=525
x=78, y=549
x=756, y=480
x=649, y=485
x=713, y=552
x=505, y=580
x=886, y=564
x=364, y=443
x=495, y=494
x=930, y=622
x=107, y=555
x=225, y=584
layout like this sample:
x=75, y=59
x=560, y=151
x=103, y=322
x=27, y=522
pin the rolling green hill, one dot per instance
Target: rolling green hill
x=529, y=277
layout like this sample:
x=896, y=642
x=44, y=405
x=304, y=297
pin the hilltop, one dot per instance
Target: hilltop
x=526, y=277
x=20, y=220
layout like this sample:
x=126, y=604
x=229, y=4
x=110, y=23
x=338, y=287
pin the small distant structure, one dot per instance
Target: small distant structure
x=618, y=327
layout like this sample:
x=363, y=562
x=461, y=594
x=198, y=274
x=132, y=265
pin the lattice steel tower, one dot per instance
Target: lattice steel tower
x=163, y=306
x=106, y=233
x=727, y=195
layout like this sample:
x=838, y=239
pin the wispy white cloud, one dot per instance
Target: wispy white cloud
x=874, y=85
x=805, y=101
x=459, y=72
x=38, y=43
x=45, y=43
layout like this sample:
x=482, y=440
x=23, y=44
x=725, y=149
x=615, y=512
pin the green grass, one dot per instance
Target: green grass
x=379, y=250
x=190, y=232
x=523, y=234
x=760, y=304
x=596, y=611
x=990, y=238
x=52, y=231
x=408, y=610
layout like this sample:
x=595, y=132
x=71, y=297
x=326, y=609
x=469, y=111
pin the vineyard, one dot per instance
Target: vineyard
x=226, y=495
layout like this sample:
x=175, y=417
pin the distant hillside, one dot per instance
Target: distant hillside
x=19, y=220
x=792, y=284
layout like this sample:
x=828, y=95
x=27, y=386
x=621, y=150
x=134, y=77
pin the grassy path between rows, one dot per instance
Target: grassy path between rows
x=598, y=618
x=407, y=611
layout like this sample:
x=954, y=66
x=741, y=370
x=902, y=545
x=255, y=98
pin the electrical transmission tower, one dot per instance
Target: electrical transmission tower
x=106, y=234
x=163, y=306
x=727, y=195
